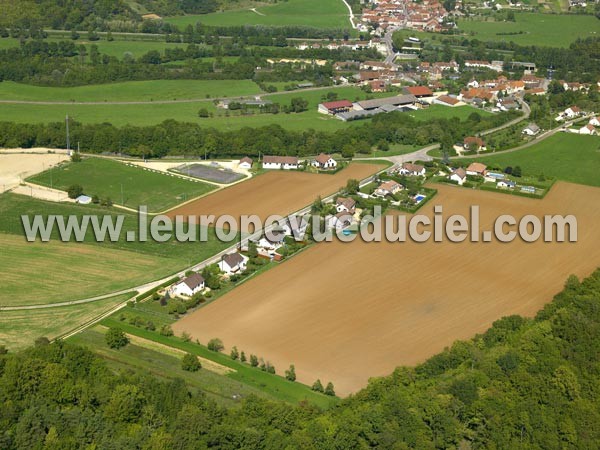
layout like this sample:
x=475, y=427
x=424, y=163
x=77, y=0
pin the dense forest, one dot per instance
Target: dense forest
x=178, y=138
x=525, y=383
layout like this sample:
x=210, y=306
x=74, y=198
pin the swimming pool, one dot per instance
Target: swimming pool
x=419, y=198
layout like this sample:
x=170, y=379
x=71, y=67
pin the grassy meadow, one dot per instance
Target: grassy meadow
x=130, y=91
x=307, y=13
x=151, y=114
x=19, y=329
x=130, y=186
x=550, y=30
x=52, y=272
x=566, y=156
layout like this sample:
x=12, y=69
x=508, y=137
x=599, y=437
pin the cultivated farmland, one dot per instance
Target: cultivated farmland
x=126, y=185
x=534, y=29
x=275, y=192
x=347, y=312
x=21, y=328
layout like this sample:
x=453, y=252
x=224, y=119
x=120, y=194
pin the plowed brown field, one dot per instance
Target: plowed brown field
x=347, y=312
x=276, y=192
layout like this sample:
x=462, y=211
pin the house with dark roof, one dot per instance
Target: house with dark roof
x=398, y=100
x=245, y=163
x=459, y=175
x=345, y=204
x=531, y=130
x=233, y=263
x=411, y=169
x=189, y=285
x=280, y=162
x=324, y=162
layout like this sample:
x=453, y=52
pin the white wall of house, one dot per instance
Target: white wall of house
x=458, y=179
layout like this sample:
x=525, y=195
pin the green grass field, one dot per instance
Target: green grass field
x=151, y=114
x=309, y=13
x=20, y=329
x=124, y=184
x=550, y=30
x=131, y=91
x=566, y=156
x=52, y=272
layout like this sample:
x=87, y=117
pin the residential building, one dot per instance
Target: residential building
x=233, y=263
x=476, y=169
x=531, y=130
x=412, y=169
x=345, y=204
x=459, y=175
x=245, y=163
x=473, y=144
x=280, y=162
x=190, y=285
x=389, y=187
x=324, y=162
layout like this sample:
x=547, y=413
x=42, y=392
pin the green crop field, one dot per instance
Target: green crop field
x=550, y=30
x=74, y=270
x=444, y=112
x=124, y=184
x=566, y=156
x=131, y=91
x=308, y=13
x=20, y=329
x=153, y=113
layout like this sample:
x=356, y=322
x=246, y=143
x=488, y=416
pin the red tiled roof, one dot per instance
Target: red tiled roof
x=338, y=104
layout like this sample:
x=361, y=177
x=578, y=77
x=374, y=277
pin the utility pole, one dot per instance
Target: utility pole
x=122, y=202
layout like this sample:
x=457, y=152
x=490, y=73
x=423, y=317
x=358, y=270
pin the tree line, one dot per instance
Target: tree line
x=191, y=139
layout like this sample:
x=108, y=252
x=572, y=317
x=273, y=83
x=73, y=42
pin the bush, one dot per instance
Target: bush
x=290, y=374
x=215, y=345
x=75, y=190
x=190, y=363
x=317, y=386
x=115, y=338
x=329, y=389
x=166, y=330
